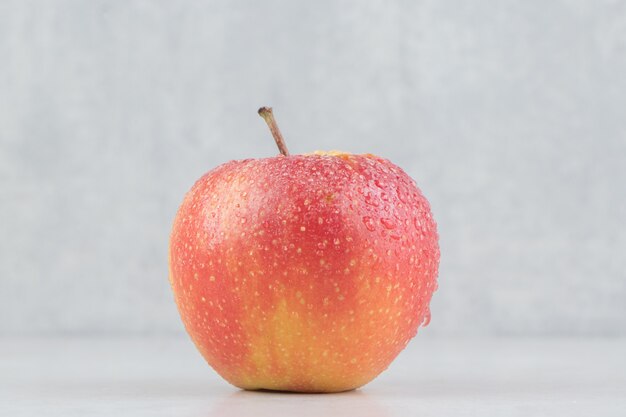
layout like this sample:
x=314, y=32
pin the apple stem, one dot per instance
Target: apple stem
x=268, y=116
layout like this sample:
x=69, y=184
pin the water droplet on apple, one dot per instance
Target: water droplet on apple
x=426, y=319
x=402, y=195
x=371, y=199
x=388, y=223
x=369, y=223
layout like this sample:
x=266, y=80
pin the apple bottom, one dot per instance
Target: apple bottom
x=288, y=346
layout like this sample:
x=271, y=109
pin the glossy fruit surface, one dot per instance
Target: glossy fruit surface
x=303, y=273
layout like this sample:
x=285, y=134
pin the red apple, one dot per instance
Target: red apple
x=303, y=272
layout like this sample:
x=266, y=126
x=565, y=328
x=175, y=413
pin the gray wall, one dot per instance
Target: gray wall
x=511, y=116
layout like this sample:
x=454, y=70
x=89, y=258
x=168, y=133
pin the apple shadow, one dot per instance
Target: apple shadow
x=277, y=403
x=199, y=397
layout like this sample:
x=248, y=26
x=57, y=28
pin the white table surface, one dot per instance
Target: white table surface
x=433, y=377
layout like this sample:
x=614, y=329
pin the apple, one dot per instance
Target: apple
x=305, y=273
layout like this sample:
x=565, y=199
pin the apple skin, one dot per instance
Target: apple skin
x=305, y=273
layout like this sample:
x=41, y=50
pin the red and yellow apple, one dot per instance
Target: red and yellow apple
x=303, y=273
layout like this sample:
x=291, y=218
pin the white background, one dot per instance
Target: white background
x=511, y=116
